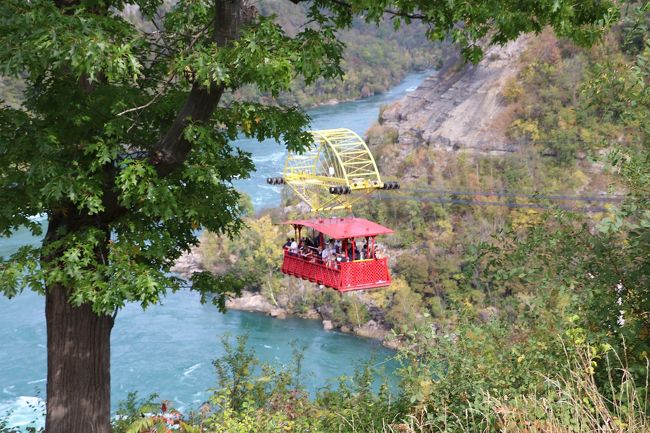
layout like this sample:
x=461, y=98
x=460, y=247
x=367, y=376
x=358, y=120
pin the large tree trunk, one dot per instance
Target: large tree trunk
x=78, y=348
x=78, y=366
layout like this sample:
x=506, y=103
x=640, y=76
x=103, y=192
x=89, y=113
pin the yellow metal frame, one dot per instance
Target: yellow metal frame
x=339, y=157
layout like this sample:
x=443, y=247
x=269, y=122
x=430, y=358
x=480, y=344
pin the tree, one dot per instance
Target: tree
x=122, y=142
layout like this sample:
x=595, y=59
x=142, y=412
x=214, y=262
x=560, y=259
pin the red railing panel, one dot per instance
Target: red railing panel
x=311, y=269
x=346, y=276
x=364, y=274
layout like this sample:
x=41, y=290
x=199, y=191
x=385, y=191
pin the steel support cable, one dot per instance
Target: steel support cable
x=604, y=199
x=442, y=200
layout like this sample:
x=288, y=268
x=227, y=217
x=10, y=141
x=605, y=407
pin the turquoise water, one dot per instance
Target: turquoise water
x=169, y=348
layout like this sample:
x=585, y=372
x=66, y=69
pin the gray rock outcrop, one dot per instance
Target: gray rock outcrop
x=460, y=106
x=251, y=301
x=188, y=264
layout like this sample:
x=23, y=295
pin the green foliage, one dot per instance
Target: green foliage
x=634, y=27
x=415, y=269
x=235, y=371
x=132, y=409
x=354, y=407
x=571, y=401
x=278, y=402
x=93, y=161
x=606, y=267
x=565, y=398
x=477, y=379
x=500, y=22
x=447, y=373
x=4, y=424
x=254, y=255
x=253, y=396
x=556, y=105
x=406, y=307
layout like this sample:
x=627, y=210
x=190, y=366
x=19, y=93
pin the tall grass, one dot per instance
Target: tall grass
x=572, y=402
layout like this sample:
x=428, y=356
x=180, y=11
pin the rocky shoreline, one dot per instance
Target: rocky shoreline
x=253, y=301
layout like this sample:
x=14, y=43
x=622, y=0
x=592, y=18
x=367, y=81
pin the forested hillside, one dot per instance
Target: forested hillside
x=376, y=58
x=509, y=316
x=558, y=141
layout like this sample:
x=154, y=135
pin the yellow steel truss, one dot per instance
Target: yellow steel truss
x=339, y=157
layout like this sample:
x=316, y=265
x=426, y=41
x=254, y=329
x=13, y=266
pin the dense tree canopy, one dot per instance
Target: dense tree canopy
x=122, y=143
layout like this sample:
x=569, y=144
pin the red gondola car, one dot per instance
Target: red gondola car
x=351, y=269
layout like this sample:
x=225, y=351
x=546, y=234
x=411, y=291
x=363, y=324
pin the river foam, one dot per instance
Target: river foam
x=22, y=412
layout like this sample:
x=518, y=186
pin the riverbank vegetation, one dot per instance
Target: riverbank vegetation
x=447, y=386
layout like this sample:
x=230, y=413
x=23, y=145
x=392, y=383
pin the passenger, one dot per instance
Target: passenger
x=331, y=246
x=287, y=244
x=304, y=249
x=293, y=248
x=325, y=255
x=306, y=252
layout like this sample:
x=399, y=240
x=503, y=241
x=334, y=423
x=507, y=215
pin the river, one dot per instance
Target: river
x=169, y=348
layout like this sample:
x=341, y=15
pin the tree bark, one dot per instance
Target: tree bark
x=78, y=366
x=78, y=346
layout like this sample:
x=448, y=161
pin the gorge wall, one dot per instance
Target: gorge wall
x=461, y=106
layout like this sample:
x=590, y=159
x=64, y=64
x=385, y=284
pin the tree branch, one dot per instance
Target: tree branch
x=391, y=12
x=172, y=149
x=169, y=80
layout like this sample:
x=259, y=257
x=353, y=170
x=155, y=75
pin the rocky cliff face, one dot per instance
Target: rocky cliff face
x=460, y=106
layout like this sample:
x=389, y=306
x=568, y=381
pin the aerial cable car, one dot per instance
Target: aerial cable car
x=333, y=174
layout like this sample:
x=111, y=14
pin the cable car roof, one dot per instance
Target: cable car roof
x=341, y=228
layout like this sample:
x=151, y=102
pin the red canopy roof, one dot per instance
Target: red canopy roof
x=340, y=228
